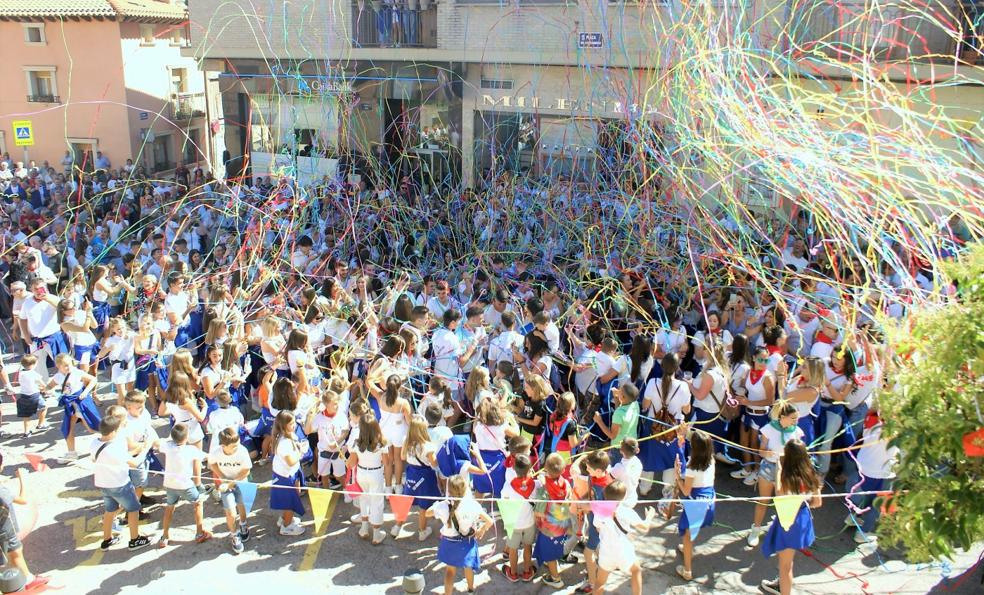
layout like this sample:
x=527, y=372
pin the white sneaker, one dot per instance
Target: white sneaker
x=753, y=536
x=378, y=537
x=395, y=531
x=751, y=480
x=292, y=530
x=398, y=489
x=861, y=537
x=723, y=458
x=423, y=535
x=364, y=530
x=355, y=518
x=741, y=473
x=280, y=522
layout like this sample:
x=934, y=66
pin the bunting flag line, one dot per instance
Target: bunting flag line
x=400, y=504
x=696, y=511
x=604, y=508
x=787, y=507
x=248, y=490
x=509, y=511
x=320, y=499
x=36, y=461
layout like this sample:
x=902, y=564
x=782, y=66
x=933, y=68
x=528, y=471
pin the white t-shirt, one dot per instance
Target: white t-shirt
x=599, y=363
x=331, y=431
x=120, y=348
x=439, y=435
x=615, y=544
x=74, y=383
x=446, y=350
x=628, y=471
x=679, y=397
x=139, y=429
x=41, y=317
x=82, y=338
x=177, y=303
x=877, y=458
x=702, y=479
x=524, y=518
x=490, y=437
x=426, y=401
x=671, y=341
x=179, y=464
x=466, y=513
x=867, y=380
x=110, y=470
x=30, y=382
x=286, y=447
x=773, y=441
x=501, y=347
x=718, y=394
x=221, y=419
x=230, y=466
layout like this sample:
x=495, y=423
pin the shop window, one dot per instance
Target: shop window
x=496, y=84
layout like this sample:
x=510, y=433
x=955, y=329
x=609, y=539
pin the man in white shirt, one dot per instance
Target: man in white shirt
x=102, y=162
x=795, y=255
x=111, y=474
x=178, y=304
x=473, y=338
x=499, y=306
x=442, y=302
x=448, y=353
x=38, y=318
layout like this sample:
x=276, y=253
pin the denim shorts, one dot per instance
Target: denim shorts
x=138, y=475
x=767, y=471
x=231, y=498
x=123, y=496
x=174, y=496
x=9, y=541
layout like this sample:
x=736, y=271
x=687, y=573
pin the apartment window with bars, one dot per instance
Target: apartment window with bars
x=42, y=87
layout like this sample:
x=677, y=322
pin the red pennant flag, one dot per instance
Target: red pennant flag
x=352, y=489
x=401, y=503
x=36, y=461
x=973, y=443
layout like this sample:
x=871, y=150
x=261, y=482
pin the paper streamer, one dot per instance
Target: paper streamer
x=604, y=508
x=36, y=461
x=509, y=510
x=787, y=507
x=248, y=490
x=400, y=504
x=696, y=511
x=320, y=500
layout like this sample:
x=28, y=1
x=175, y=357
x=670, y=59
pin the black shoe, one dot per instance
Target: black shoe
x=139, y=542
x=124, y=520
x=108, y=543
x=243, y=532
x=147, y=500
x=312, y=478
x=771, y=587
x=571, y=558
x=334, y=484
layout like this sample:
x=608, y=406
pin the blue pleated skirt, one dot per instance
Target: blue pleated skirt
x=492, y=483
x=547, y=549
x=282, y=498
x=84, y=408
x=459, y=552
x=699, y=494
x=421, y=481
x=799, y=536
x=658, y=456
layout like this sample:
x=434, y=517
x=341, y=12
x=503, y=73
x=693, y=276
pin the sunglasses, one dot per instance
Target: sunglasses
x=762, y=360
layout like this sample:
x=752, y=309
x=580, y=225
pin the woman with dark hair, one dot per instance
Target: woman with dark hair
x=666, y=400
x=839, y=384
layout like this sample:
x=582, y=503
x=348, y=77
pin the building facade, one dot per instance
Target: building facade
x=453, y=90
x=102, y=75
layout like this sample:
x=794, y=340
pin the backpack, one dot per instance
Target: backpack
x=728, y=405
x=663, y=420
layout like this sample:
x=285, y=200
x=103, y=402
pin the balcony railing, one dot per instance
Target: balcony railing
x=849, y=30
x=376, y=24
x=43, y=99
x=186, y=106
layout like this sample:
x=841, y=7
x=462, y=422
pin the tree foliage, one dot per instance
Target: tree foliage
x=937, y=400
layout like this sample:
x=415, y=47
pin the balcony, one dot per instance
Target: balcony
x=379, y=25
x=43, y=99
x=851, y=31
x=185, y=106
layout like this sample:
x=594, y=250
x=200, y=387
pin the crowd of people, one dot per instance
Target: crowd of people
x=518, y=342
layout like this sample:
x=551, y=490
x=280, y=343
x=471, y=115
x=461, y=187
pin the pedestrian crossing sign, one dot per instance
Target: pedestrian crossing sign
x=23, y=133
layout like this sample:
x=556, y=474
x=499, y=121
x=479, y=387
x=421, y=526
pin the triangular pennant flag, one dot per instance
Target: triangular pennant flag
x=36, y=461
x=509, y=509
x=320, y=499
x=604, y=508
x=248, y=490
x=28, y=519
x=352, y=487
x=696, y=511
x=787, y=507
x=400, y=503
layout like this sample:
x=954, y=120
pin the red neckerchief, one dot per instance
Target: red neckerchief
x=510, y=461
x=717, y=331
x=329, y=416
x=871, y=420
x=601, y=482
x=823, y=338
x=773, y=349
x=756, y=375
x=556, y=488
x=597, y=348
x=523, y=486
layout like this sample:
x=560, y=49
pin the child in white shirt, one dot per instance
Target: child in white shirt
x=629, y=470
x=230, y=464
x=520, y=488
x=332, y=430
x=226, y=416
x=29, y=399
x=181, y=464
x=615, y=549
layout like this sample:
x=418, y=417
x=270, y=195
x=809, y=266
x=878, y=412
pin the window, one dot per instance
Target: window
x=42, y=87
x=162, y=152
x=179, y=80
x=34, y=34
x=3, y=143
x=146, y=35
x=83, y=151
x=496, y=84
x=177, y=37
